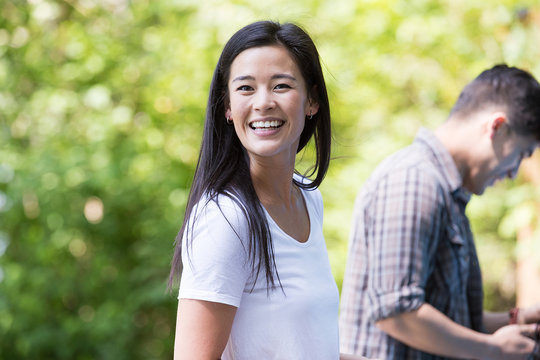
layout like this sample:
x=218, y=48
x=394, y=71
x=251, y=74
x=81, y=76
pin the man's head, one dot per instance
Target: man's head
x=501, y=110
x=509, y=88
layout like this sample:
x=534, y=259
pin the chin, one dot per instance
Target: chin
x=473, y=189
x=477, y=190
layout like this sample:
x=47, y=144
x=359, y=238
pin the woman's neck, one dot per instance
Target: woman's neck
x=273, y=184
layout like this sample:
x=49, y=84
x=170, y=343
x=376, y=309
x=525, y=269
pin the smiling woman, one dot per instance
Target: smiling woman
x=268, y=103
x=255, y=270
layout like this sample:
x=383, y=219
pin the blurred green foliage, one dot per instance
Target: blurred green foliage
x=101, y=113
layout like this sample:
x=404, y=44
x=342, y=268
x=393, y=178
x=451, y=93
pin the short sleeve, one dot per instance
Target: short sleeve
x=215, y=264
x=402, y=229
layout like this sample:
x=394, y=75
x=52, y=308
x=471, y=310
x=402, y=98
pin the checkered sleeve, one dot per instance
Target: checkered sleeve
x=404, y=218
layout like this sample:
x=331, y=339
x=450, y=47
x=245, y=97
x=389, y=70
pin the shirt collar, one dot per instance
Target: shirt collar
x=445, y=163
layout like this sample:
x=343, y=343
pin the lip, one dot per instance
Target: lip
x=272, y=124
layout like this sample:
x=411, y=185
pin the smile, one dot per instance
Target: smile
x=267, y=124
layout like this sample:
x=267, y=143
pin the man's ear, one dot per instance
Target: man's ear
x=497, y=122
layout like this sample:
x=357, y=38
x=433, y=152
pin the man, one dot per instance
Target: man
x=412, y=287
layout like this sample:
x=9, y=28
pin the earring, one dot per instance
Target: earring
x=310, y=116
x=229, y=121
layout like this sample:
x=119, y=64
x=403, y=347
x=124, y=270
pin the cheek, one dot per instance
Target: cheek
x=298, y=106
x=237, y=106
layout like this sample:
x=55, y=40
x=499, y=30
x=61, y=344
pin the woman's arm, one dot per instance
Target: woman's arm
x=202, y=329
x=494, y=321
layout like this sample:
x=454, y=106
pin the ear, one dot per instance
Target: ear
x=312, y=108
x=228, y=113
x=497, y=121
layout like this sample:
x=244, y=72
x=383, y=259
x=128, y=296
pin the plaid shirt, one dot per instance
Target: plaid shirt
x=410, y=244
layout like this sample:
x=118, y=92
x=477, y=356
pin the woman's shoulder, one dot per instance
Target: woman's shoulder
x=306, y=181
x=225, y=201
x=312, y=196
x=220, y=211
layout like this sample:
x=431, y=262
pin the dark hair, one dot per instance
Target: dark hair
x=223, y=165
x=513, y=88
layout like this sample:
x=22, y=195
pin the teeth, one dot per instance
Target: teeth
x=266, y=124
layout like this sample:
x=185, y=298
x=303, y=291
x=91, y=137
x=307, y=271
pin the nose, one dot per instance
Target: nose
x=264, y=100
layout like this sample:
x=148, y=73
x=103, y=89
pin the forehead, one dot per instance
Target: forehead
x=264, y=59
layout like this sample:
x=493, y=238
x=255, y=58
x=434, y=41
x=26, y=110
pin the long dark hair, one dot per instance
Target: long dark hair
x=223, y=165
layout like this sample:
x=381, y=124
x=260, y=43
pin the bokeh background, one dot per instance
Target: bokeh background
x=101, y=114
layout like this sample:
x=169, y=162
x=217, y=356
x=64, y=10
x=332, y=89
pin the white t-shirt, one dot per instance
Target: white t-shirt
x=300, y=322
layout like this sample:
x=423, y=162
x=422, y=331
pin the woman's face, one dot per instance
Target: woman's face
x=268, y=102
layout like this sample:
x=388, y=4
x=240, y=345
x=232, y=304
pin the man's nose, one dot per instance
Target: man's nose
x=513, y=172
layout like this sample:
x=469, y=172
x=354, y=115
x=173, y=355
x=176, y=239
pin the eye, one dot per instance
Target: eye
x=244, y=88
x=282, y=86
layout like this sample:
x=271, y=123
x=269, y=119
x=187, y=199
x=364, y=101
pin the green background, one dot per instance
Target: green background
x=101, y=114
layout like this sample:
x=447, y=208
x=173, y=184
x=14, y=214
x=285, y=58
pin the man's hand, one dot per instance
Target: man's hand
x=512, y=342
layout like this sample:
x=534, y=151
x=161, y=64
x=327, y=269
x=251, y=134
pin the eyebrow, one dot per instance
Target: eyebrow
x=275, y=76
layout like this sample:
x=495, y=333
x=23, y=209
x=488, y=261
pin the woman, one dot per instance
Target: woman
x=256, y=281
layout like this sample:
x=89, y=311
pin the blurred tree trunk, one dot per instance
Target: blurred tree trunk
x=528, y=269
